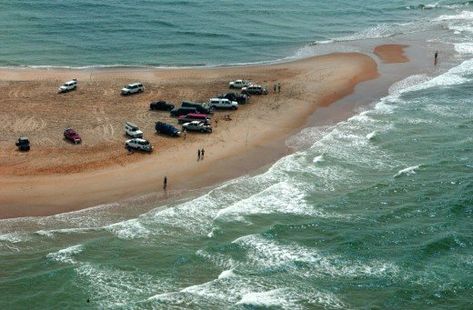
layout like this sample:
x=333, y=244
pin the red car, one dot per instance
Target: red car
x=71, y=135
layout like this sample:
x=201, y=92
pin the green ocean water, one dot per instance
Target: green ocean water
x=190, y=32
x=374, y=212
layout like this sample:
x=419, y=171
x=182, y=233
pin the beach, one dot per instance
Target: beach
x=350, y=188
x=61, y=177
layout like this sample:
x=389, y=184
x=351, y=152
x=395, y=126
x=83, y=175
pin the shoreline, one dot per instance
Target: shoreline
x=224, y=160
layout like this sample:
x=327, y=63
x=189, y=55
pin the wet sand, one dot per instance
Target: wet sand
x=391, y=53
x=56, y=176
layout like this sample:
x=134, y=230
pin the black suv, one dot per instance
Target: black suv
x=183, y=111
x=198, y=106
x=167, y=129
x=23, y=144
x=161, y=106
x=240, y=98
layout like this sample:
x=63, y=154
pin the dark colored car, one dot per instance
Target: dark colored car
x=240, y=98
x=71, y=135
x=198, y=106
x=167, y=129
x=183, y=111
x=193, y=117
x=23, y=144
x=161, y=106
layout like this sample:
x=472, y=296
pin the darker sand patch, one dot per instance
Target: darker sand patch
x=391, y=53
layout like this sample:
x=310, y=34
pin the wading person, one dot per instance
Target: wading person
x=436, y=55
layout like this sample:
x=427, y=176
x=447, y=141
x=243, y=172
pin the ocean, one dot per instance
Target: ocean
x=373, y=212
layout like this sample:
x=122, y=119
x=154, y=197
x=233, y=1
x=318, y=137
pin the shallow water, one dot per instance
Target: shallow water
x=373, y=212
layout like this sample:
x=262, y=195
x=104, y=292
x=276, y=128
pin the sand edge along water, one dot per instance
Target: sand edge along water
x=56, y=177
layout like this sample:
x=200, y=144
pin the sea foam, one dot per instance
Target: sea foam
x=66, y=255
x=407, y=171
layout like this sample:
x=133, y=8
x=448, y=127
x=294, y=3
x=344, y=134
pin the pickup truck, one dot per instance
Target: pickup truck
x=239, y=84
x=222, y=103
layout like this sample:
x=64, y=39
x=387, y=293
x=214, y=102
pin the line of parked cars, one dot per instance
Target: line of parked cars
x=191, y=115
x=129, y=89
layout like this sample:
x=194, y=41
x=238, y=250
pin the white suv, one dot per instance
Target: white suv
x=132, y=130
x=139, y=144
x=132, y=89
x=222, y=103
x=239, y=84
x=68, y=86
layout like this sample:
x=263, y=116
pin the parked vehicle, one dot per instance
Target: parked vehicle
x=197, y=126
x=68, y=86
x=221, y=103
x=23, y=144
x=254, y=90
x=239, y=84
x=71, y=135
x=183, y=111
x=200, y=107
x=139, y=145
x=133, y=130
x=240, y=98
x=161, y=106
x=167, y=129
x=132, y=89
x=193, y=117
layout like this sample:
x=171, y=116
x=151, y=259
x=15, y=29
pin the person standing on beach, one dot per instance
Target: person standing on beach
x=165, y=183
x=198, y=154
x=202, y=154
x=184, y=132
x=436, y=55
x=279, y=87
x=275, y=87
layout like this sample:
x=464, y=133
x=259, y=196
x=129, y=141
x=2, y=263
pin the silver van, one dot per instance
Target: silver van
x=132, y=130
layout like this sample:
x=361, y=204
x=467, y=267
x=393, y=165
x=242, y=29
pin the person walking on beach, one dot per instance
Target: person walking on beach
x=279, y=87
x=198, y=154
x=202, y=153
x=275, y=87
x=184, y=132
x=165, y=183
x=436, y=55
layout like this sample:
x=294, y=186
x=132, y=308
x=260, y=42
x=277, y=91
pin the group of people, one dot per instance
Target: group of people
x=200, y=156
